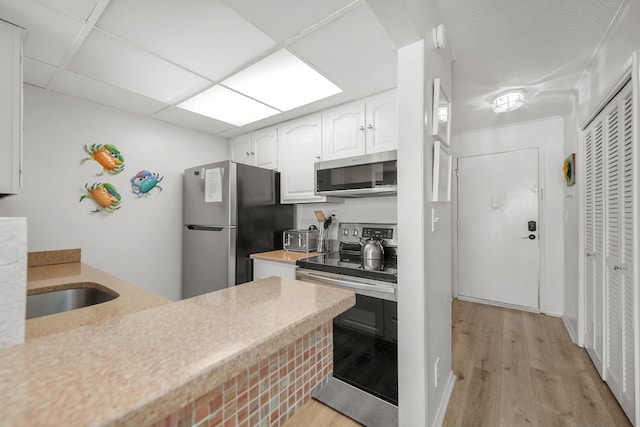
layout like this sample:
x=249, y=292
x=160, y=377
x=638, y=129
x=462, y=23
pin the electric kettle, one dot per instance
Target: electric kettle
x=372, y=255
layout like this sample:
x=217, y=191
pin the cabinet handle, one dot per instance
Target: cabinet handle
x=369, y=126
x=252, y=153
x=317, y=157
x=616, y=268
x=361, y=127
x=247, y=153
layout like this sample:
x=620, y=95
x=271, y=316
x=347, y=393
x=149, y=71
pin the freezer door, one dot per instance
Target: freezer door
x=208, y=259
x=210, y=194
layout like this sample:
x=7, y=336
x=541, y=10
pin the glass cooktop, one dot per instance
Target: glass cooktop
x=332, y=262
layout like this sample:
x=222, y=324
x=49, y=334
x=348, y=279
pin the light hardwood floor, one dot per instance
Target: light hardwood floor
x=316, y=414
x=513, y=368
x=516, y=368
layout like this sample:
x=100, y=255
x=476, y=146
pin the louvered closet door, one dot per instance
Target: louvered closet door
x=609, y=241
x=594, y=236
x=619, y=249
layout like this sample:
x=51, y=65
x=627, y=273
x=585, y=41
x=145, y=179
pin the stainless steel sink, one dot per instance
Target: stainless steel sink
x=59, y=300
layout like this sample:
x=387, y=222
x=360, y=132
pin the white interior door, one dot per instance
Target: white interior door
x=610, y=237
x=594, y=243
x=498, y=252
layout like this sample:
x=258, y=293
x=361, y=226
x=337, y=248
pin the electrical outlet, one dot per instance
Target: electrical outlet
x=436, y=372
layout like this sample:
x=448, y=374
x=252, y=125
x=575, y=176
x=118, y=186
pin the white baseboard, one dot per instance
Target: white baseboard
x=553, y=314
x=498, y=304
x=571, y=331
x=444, y=403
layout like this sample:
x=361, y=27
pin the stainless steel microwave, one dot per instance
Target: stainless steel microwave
x=360, y=176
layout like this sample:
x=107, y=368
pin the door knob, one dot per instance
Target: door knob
x=530, y=237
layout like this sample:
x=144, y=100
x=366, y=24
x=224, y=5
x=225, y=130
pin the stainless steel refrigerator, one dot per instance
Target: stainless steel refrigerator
x=230, y=211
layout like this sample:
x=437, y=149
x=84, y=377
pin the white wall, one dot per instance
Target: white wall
x=140, y=243
x=572, y=226
x=547, y=135
x=611, y=61
x=382, y=210
x=424, y=269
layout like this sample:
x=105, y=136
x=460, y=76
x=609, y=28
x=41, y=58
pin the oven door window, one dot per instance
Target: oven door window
x=365, y=346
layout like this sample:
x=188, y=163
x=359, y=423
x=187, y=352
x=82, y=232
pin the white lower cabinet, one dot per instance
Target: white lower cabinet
x=300, y=146
x=263, y=269
x=10, y=108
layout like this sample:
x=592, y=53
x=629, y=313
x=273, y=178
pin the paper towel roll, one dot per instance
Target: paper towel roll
x=13, y=280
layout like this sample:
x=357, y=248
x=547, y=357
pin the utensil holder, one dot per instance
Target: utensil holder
x=323, y=247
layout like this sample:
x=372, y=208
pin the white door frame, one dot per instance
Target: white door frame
x=541, y=223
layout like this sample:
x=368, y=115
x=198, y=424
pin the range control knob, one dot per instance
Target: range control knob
x=355, y=232
x=345, y=231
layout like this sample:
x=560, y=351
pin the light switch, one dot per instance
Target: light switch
x=496, y=201
x=435, y=219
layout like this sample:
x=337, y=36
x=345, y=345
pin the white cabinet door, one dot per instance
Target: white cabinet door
x=343, y=133
x=265, y=147
x=299, y=147
x=10, y=108
x=263, y=269
x=382, y=122
x=241, y=149
x=361, y=127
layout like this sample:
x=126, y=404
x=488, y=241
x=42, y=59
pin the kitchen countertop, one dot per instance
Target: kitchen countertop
x=286, y=257
x=136, y=368
x=63, y=276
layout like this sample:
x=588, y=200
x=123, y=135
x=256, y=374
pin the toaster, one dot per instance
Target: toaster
x=300, y=240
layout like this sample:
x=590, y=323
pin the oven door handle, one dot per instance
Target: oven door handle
x=352, y=285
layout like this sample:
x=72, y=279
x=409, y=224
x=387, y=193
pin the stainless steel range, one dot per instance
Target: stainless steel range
x=364, y=383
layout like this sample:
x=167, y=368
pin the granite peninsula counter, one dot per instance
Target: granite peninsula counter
x=247, y=355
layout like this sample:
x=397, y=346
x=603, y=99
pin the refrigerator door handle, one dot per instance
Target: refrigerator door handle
x=203, y=228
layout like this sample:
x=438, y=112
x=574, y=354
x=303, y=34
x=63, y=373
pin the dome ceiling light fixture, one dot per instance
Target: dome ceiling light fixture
x=508, y=101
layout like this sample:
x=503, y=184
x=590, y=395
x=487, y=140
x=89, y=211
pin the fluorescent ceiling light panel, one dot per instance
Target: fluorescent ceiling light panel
x=228, y=106
x=282, y=81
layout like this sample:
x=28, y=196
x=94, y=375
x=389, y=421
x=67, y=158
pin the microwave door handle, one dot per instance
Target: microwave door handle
x=353, y=285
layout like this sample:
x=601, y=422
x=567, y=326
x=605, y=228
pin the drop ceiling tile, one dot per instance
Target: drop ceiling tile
x=352, y=50
x=283, y=19
x=124, y=65
x=87, y=88
x=282, y=81
x=50, y=33
x=81, y=9
x=37, y=73
x=191, y=120
x=204, y=36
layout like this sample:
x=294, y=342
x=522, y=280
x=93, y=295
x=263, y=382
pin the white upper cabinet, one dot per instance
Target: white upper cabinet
x=259, y=148
x=10, y=108
x=300, y=145
x=382, y=122
x=265, y=147
x=361, y=127
x=241, y=149
x=343, y=133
